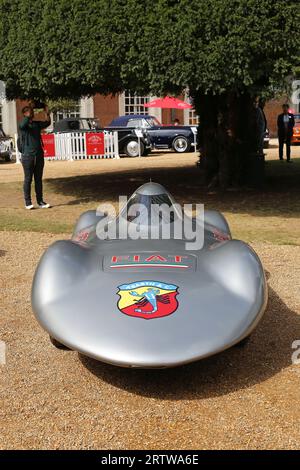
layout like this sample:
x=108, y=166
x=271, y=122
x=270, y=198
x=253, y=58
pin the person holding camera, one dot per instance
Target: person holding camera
x=33, y=154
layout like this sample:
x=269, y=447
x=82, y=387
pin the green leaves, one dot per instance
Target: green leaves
x=53, y=49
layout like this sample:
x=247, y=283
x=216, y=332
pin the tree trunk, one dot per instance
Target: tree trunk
x=228, y=139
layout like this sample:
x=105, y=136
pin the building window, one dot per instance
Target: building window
x=134, y=104
x=72, y=111
x=193, y=118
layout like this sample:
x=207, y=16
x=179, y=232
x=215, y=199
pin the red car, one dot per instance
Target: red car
x=296, y=132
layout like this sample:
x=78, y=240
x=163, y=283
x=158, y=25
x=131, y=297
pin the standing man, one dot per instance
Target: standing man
x=33, y=154
x=264, y=125
x=259, y=126
x=285, y=124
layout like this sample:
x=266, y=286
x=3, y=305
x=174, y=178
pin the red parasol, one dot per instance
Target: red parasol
x=168, y=102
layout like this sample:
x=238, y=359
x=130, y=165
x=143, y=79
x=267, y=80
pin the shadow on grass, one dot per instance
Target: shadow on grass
x=2, y=162
x=281, y=194
x=266, y=354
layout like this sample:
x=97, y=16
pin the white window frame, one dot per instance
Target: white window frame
x=68, y=113
x=139, y=109
x=193, y=117
x=87, y=107
x=1, y=115
x=134, y=103
x=190, y=116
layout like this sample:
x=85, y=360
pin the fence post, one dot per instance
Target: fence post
x=69, y=149
x=107, y=143
x=116, y=145
x=84, y=147
x=139, y=134
x=195, y=132
x=18, y=155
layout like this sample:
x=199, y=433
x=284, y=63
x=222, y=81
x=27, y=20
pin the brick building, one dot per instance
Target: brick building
x=105, y=108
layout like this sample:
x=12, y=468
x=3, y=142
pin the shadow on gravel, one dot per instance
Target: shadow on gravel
x=2, y=253
x=266, y=354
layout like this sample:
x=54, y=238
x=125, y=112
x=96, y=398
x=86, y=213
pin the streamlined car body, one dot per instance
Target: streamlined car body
x=155, y=302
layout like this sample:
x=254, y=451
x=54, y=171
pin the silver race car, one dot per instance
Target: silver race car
x=149, y=301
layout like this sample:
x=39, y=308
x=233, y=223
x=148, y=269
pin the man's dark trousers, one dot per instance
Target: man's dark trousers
x=33, y=167
x=287, y=141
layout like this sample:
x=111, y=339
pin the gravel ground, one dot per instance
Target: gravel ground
x=243, y=398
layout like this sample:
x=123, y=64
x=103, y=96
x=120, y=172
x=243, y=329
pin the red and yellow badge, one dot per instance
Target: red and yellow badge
x=148, y=299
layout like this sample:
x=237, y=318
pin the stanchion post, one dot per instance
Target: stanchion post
x=18, y=155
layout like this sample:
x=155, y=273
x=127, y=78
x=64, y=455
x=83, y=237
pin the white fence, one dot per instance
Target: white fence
x=78, y=146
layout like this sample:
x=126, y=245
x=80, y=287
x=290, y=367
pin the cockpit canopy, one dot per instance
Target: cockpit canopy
x=150, y=205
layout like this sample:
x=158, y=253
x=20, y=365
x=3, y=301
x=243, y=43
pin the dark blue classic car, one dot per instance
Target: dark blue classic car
x=178, y=138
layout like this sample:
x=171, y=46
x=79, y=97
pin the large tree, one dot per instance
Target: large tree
x=223, y=51
x=61, y=48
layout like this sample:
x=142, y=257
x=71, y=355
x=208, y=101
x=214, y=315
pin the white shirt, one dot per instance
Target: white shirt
x=286, y=118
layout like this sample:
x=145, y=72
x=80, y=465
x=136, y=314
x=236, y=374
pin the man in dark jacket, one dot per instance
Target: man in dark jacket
x=263, y=124
x=33, y=155
x=285, y=124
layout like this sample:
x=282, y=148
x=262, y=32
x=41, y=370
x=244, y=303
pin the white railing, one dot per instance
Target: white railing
x=78, y=146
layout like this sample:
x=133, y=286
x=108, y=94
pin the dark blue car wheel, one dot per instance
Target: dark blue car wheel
x=133, y=148
x=181, y=144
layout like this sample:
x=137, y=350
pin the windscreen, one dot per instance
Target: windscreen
x=153, y=121
x=145, y=209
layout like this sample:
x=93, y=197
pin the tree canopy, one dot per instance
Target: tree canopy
x=58, y=48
